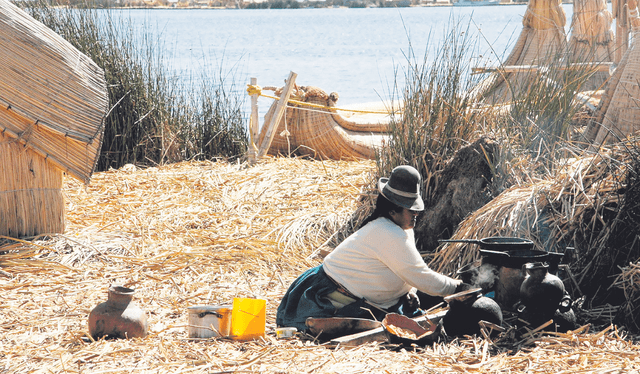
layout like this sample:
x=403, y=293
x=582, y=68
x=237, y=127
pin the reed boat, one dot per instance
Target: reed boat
x=322, y=131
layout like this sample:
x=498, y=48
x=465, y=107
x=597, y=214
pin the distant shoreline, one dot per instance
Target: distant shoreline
x=437, y=4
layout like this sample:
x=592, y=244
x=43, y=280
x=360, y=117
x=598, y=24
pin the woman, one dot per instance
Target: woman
x=374, y=271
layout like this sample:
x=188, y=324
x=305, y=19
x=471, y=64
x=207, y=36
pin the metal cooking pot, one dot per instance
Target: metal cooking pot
x=514, y=258
x=495, y=243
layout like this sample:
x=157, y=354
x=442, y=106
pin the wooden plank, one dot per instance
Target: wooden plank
x=275, y=120
x=601, y=66
x=379, y=334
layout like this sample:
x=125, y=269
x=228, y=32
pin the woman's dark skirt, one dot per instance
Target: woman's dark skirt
x=306, y=297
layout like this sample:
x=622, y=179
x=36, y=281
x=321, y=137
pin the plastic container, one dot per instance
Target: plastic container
x=208, y=321
x=286, y=332
x=248, y=318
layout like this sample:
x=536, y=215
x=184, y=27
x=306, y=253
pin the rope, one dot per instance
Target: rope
x=257, y=90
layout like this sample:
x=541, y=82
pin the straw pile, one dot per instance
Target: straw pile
x=323, y=133
x=541, y=41
x=592, y=38
x=200, y=234
x=588, y=211
x=629, y=282
x=52, y=97
x=618, y=114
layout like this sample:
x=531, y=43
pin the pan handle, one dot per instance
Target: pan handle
x=473, y=241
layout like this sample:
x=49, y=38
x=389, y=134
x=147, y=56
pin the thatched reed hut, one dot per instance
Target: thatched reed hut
x=323, y=133
x=52, y=103
x=541, y=40
x=592, y=38
x=618, y=113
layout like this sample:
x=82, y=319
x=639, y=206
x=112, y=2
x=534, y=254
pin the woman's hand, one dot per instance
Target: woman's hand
x=413, y=301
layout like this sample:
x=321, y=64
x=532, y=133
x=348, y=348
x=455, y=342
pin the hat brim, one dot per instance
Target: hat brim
x=411, y=203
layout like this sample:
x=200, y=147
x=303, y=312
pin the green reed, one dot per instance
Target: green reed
x=444, y=110
x=154, y=118
x=436, y=120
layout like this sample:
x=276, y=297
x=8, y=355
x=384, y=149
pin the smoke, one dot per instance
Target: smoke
x=485, y=276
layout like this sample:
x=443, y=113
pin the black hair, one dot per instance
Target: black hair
x=383, y=209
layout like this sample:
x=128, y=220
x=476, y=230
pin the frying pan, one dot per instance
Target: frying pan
x=405, y=331
x=495, y=243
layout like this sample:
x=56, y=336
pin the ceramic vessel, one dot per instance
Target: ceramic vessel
x=118, y=317
x=541, y=292
x=463, y=315
x=511, y=271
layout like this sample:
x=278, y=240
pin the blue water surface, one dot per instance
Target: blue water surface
x=357, y=52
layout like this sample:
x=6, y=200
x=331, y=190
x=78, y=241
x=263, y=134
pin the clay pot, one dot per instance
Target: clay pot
x=464, y=314
x=554, y=261
x=508, y=287
x=118, y=317
x=541, y=292
x=511, y=273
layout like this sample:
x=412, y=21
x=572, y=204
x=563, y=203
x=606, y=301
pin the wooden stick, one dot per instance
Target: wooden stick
x=254, y=124
x=275, y=120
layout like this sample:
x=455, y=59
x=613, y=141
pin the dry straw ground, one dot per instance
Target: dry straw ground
x=201, y=233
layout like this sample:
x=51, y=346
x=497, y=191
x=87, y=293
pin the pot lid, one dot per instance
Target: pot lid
x=208, y=308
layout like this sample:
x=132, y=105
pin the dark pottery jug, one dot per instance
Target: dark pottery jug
x=465, y=313
x=118, y=317
x=541, y=292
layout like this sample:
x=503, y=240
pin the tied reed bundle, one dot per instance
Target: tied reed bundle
x=30, y=192
x=592, y=38
x=541, y=42
x=619, y=112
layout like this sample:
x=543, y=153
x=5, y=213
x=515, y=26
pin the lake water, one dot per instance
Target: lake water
x=358, y=53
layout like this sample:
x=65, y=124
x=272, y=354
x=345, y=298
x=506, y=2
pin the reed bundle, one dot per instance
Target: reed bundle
x=592, y=38
x=322, y=133
x=541, y=42
x=201, y=233
x=619, y=112
x=30, y=192
x=53, y=97
x=591, y=26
